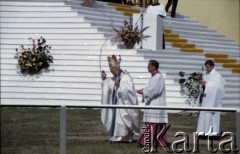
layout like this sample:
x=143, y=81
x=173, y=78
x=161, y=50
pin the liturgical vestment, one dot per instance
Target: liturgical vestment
x=154, y=95
x=157, y=10
x=121, y=124
x=214, y=92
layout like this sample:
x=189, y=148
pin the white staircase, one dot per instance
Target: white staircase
x=172, y=60
x=76, y=35
x=74, y=76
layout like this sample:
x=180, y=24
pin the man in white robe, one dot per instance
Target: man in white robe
x=159, y=10
x=209, y=122
x=121, y=124
x=154, y=95
x=156, y=9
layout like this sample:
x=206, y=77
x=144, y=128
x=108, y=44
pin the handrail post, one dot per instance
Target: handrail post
x=141, y=28
x=238, y=129
x=62, y=149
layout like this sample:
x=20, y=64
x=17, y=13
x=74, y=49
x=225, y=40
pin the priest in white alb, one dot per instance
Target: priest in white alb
x=159, y=10
x=156, y=9
x=209, y=121
x=154, y=94
x=121, y=124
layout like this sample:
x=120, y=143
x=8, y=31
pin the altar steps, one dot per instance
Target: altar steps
x=76, y=34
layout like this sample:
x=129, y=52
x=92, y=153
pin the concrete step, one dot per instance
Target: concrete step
x=84, y=74
x=196, y=33
x=183, y=99
x=39, y=83
x=43, y=19
x=175, y=75
x=82, y=63
x=7, y=8
x=103, y=18
x=58, y=41
x=178, y=94
x=50, y=96
x=70, y=48
x=175, y=53
x=191, y=28
x=214, y=42
x=131, y=69
x=179, y=57
x=39, y=14
x=229, y=87
x=205, y=38
x=176, y=69
x=169, y=55
x=96, y=12
x=36, y=0
x=53, y=36
x=82, y=57
x=180, y=21
x=229, y=52
x=48, y=30
x=71, y=79
x=217, y=46
x=46, y=25
x=103, y=5
x=28, y=101
x=176, y=25
x=95, y=52
x=30, y=3
x=106, y=24
x=51, y=90
x=110, y=11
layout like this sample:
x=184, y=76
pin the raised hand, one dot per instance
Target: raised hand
x=103, y=75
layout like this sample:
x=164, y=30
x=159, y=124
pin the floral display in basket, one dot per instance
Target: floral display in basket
x=129, y=35
x=34, y=58
x=191, y=87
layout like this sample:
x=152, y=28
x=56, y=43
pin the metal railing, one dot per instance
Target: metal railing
x=62, y=146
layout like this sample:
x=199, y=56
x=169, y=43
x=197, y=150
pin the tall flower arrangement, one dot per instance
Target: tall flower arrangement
x=129, y=35
x=190, y=87
x=33, y=59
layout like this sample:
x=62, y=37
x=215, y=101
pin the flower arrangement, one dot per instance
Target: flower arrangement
x=129, y=35
x=32, y=60
x=190, y=87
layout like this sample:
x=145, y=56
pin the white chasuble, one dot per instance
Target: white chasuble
x=154, y=95
x=214, y=92
x=157, y=10
x=121, y=124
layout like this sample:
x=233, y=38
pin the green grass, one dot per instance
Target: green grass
x=36, y=131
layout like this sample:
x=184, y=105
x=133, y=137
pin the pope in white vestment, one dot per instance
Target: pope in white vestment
x=121, y=124
x=209, y=121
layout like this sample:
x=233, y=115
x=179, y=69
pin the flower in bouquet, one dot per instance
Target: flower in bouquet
x=190, y=86
x=33, y=59
x=129, y=35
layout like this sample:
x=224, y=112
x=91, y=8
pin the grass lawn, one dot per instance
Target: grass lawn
x=36, y=131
